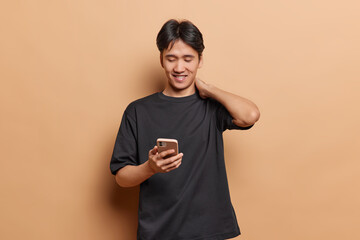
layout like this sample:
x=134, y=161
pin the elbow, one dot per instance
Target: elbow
x=254, y=116
x=121, y=181
x=249, y=120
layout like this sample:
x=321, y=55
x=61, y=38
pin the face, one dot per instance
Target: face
x=180, y=63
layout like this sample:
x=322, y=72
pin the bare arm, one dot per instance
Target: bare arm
x=243, y=111
x=130, y=175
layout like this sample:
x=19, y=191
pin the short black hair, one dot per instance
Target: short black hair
x=185, y=30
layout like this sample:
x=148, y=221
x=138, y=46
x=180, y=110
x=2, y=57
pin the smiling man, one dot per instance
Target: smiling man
x=186, y=196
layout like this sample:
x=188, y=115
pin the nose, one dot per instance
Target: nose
x=179, y=67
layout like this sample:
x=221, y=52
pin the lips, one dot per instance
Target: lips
x=179, y=77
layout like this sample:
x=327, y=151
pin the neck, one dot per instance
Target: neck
x=171, y=92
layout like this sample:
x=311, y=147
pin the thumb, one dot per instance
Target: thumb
x=154, y=150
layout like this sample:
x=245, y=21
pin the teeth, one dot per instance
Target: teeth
x=180, y=77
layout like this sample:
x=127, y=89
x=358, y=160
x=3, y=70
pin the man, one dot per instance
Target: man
x=186, y=196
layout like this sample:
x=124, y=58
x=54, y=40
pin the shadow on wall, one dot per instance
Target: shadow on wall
x=122, y=203
x=116, y=207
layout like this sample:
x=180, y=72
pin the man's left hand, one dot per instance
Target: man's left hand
x=202, y=87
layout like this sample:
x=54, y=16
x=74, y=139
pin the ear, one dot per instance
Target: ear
x=161, y=60
x=201, y=60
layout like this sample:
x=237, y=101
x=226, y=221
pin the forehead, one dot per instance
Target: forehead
x=180, y=48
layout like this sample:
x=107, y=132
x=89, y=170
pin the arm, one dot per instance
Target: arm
x=130, y=175
x=243, y=111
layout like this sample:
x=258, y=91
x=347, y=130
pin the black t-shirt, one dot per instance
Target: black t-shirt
x=191, y=202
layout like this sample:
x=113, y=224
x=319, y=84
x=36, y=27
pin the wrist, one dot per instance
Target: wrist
x=148, y=168
x=210, y=90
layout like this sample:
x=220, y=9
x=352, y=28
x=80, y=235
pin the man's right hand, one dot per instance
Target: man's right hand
x=159, y=163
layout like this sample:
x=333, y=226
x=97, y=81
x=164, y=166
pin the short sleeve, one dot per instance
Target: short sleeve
x=225, y=120
x=125, y=149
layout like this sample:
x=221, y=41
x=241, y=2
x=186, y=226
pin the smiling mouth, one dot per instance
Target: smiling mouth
x=179, y=77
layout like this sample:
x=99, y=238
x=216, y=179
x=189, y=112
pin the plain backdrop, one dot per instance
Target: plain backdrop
x=68, y=69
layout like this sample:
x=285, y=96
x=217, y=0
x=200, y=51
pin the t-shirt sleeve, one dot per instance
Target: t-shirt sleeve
x=125, y=149
x=225, y=120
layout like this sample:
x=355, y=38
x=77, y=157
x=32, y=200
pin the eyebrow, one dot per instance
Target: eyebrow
x=185, y=56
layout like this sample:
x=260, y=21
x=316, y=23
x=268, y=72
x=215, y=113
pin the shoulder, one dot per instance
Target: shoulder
x=213, y=104
x=141, y=102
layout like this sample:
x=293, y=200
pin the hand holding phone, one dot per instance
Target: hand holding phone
x=164, y=144
x=165, y=156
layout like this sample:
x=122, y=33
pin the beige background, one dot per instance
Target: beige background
x=69, y=69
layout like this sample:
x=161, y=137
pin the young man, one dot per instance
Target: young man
x=186, y=196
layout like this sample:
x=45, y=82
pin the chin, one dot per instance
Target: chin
x=180, y=86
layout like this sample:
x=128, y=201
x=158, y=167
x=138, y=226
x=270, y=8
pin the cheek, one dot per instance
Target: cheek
x=168, y=67
x=192, y=67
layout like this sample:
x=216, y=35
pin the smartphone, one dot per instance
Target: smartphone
x=164, y=144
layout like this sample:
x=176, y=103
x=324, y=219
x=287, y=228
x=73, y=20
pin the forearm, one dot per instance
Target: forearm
x=243, y=111
x=130, y=175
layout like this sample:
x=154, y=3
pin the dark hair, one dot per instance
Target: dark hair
x=185, y=30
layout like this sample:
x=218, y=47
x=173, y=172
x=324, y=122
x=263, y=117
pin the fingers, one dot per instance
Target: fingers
x=162, y=164
x=172, y=159
x=165, y=153
x=177, y=164
x=153, y=151
x=171, y=163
